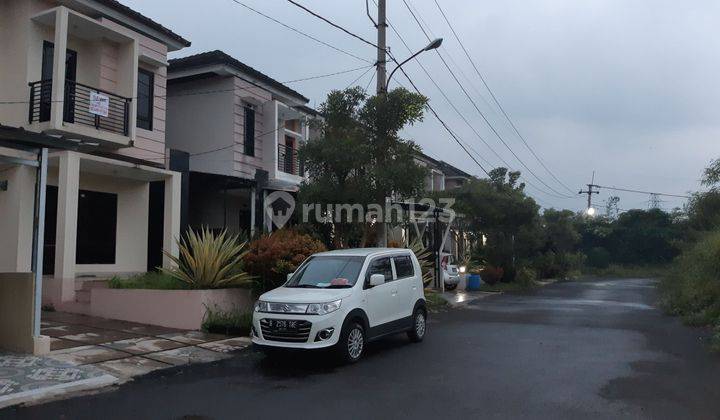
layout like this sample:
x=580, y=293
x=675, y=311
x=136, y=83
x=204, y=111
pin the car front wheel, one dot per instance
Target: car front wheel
x=352, y=343
x=417, y=333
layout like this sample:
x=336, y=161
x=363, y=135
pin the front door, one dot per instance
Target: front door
x=382, y=299
x=46, y=84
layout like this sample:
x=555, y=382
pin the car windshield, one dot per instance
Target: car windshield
x=327, y=272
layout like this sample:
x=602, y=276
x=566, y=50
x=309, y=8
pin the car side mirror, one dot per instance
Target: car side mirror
x=289, y=276
x=377, y=280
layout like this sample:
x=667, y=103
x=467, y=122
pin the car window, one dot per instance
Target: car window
x=327, y=272
x=380, y=266
x=404, y=266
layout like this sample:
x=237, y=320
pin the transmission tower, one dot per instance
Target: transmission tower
x=654, y=201
x=611, y=207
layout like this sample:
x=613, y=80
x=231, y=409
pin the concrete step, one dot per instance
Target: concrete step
x=82, y=296
x=90, y=284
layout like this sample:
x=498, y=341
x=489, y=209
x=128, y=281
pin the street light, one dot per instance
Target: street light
x=431, y=46
x=590, y=211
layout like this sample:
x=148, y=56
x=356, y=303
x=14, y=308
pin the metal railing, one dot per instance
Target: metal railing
x=288, y=161
x=76, y=106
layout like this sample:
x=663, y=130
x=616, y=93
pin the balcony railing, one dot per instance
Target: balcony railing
x=76, y=106
x=288, y=161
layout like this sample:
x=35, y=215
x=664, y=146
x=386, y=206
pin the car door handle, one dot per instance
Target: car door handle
x=394, y=292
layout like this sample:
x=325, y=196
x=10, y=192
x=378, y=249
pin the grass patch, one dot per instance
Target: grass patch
x=234, y=322
x=628, y=271
x=150, y=280
x=434, y=301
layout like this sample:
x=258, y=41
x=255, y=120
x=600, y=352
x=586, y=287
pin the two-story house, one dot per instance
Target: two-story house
x=441, y=175
x=93, y=73
x=242, y=130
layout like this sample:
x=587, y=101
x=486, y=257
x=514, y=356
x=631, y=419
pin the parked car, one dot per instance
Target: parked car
x=451, y=273
x=342, y=300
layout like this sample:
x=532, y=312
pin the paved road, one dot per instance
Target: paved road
x=572, y=350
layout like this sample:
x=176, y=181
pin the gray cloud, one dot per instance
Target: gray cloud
x=626, y=88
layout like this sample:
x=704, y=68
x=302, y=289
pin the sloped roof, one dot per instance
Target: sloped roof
x=219, y=57
x=116, y=5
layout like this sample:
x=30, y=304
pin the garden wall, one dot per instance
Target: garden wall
x=182, y=309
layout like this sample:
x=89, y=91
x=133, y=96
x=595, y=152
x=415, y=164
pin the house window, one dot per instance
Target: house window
x=249, y=131
x=145, y=96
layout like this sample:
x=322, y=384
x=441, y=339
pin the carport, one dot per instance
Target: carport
x=23, y=177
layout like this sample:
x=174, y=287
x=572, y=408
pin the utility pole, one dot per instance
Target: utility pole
x=589, y=193
x=381, y=50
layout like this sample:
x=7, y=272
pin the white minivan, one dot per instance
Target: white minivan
x=344, y=299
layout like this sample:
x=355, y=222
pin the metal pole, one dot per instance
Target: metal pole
x=39, y=236
x=381, y=51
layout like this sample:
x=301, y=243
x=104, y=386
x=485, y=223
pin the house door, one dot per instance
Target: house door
x=46, y=85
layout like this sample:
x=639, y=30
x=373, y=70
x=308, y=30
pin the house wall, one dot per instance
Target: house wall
x=132, y=221
x=101, y=63
x=244, y=165
x=203, y=122
x=16, y=210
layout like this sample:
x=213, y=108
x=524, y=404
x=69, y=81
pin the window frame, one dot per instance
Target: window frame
x=142, y=123
x=247, y=149
x=397, y=276
x=366, y=282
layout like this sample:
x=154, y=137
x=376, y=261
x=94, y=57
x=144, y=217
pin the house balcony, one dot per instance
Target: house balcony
x=77, y=107
x=84, y=72
x=288, y=161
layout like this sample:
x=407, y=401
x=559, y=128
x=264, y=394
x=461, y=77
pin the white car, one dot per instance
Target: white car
x=343, y=299
x=451, y=273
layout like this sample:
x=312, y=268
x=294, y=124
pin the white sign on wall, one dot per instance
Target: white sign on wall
x=99, y=104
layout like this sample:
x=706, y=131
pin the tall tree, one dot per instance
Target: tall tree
x=360, y=158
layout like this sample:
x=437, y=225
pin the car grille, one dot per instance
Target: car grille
x=299, y=336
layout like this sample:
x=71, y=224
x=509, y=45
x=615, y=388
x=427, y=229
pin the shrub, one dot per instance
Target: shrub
x=234, y=322
x=272, y=257
x=598, y=257
x=149, y=280
x=558, y=265
x=692, y=287
x=525, y=278
x=208, y=261
x=491, y=275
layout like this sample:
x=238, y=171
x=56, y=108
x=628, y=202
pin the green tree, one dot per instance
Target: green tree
x=359, y=158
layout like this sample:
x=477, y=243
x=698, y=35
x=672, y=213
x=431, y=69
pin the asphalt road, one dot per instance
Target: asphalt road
x=572, y=350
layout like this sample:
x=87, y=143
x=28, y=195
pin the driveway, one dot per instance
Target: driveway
x=595, y=349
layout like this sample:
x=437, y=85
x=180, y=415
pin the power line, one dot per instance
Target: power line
x=502, y=140
x=207, y=92
x=460, y=114
x=333, y=24
x=497, y=102
x=328, y=74
x=358, y=78
x=642, y=192
x=300, y=32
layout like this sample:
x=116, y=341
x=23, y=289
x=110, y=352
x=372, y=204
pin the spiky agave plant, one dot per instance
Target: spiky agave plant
x=424, y=256
x=209, y=261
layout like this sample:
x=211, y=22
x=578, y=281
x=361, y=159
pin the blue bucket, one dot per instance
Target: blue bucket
x=473, y=282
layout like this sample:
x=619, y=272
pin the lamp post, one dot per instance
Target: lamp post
x=431, y=46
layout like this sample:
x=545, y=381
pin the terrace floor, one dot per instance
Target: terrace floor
x=97, y=352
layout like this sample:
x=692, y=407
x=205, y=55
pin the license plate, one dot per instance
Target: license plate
x=282, y=325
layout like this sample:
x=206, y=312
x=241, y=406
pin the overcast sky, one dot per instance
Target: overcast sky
x=626, y=88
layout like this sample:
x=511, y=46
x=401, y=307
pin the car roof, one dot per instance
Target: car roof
x=363, y=252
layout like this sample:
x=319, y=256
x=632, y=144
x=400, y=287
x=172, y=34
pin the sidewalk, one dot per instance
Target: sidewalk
x=91, y=353
x=460, y=296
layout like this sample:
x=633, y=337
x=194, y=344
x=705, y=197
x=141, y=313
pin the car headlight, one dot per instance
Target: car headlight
x=261, y=306
x=323, y=308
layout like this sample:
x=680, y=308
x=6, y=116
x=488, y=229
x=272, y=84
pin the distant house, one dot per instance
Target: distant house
x=242, y=130
x=442, y=175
